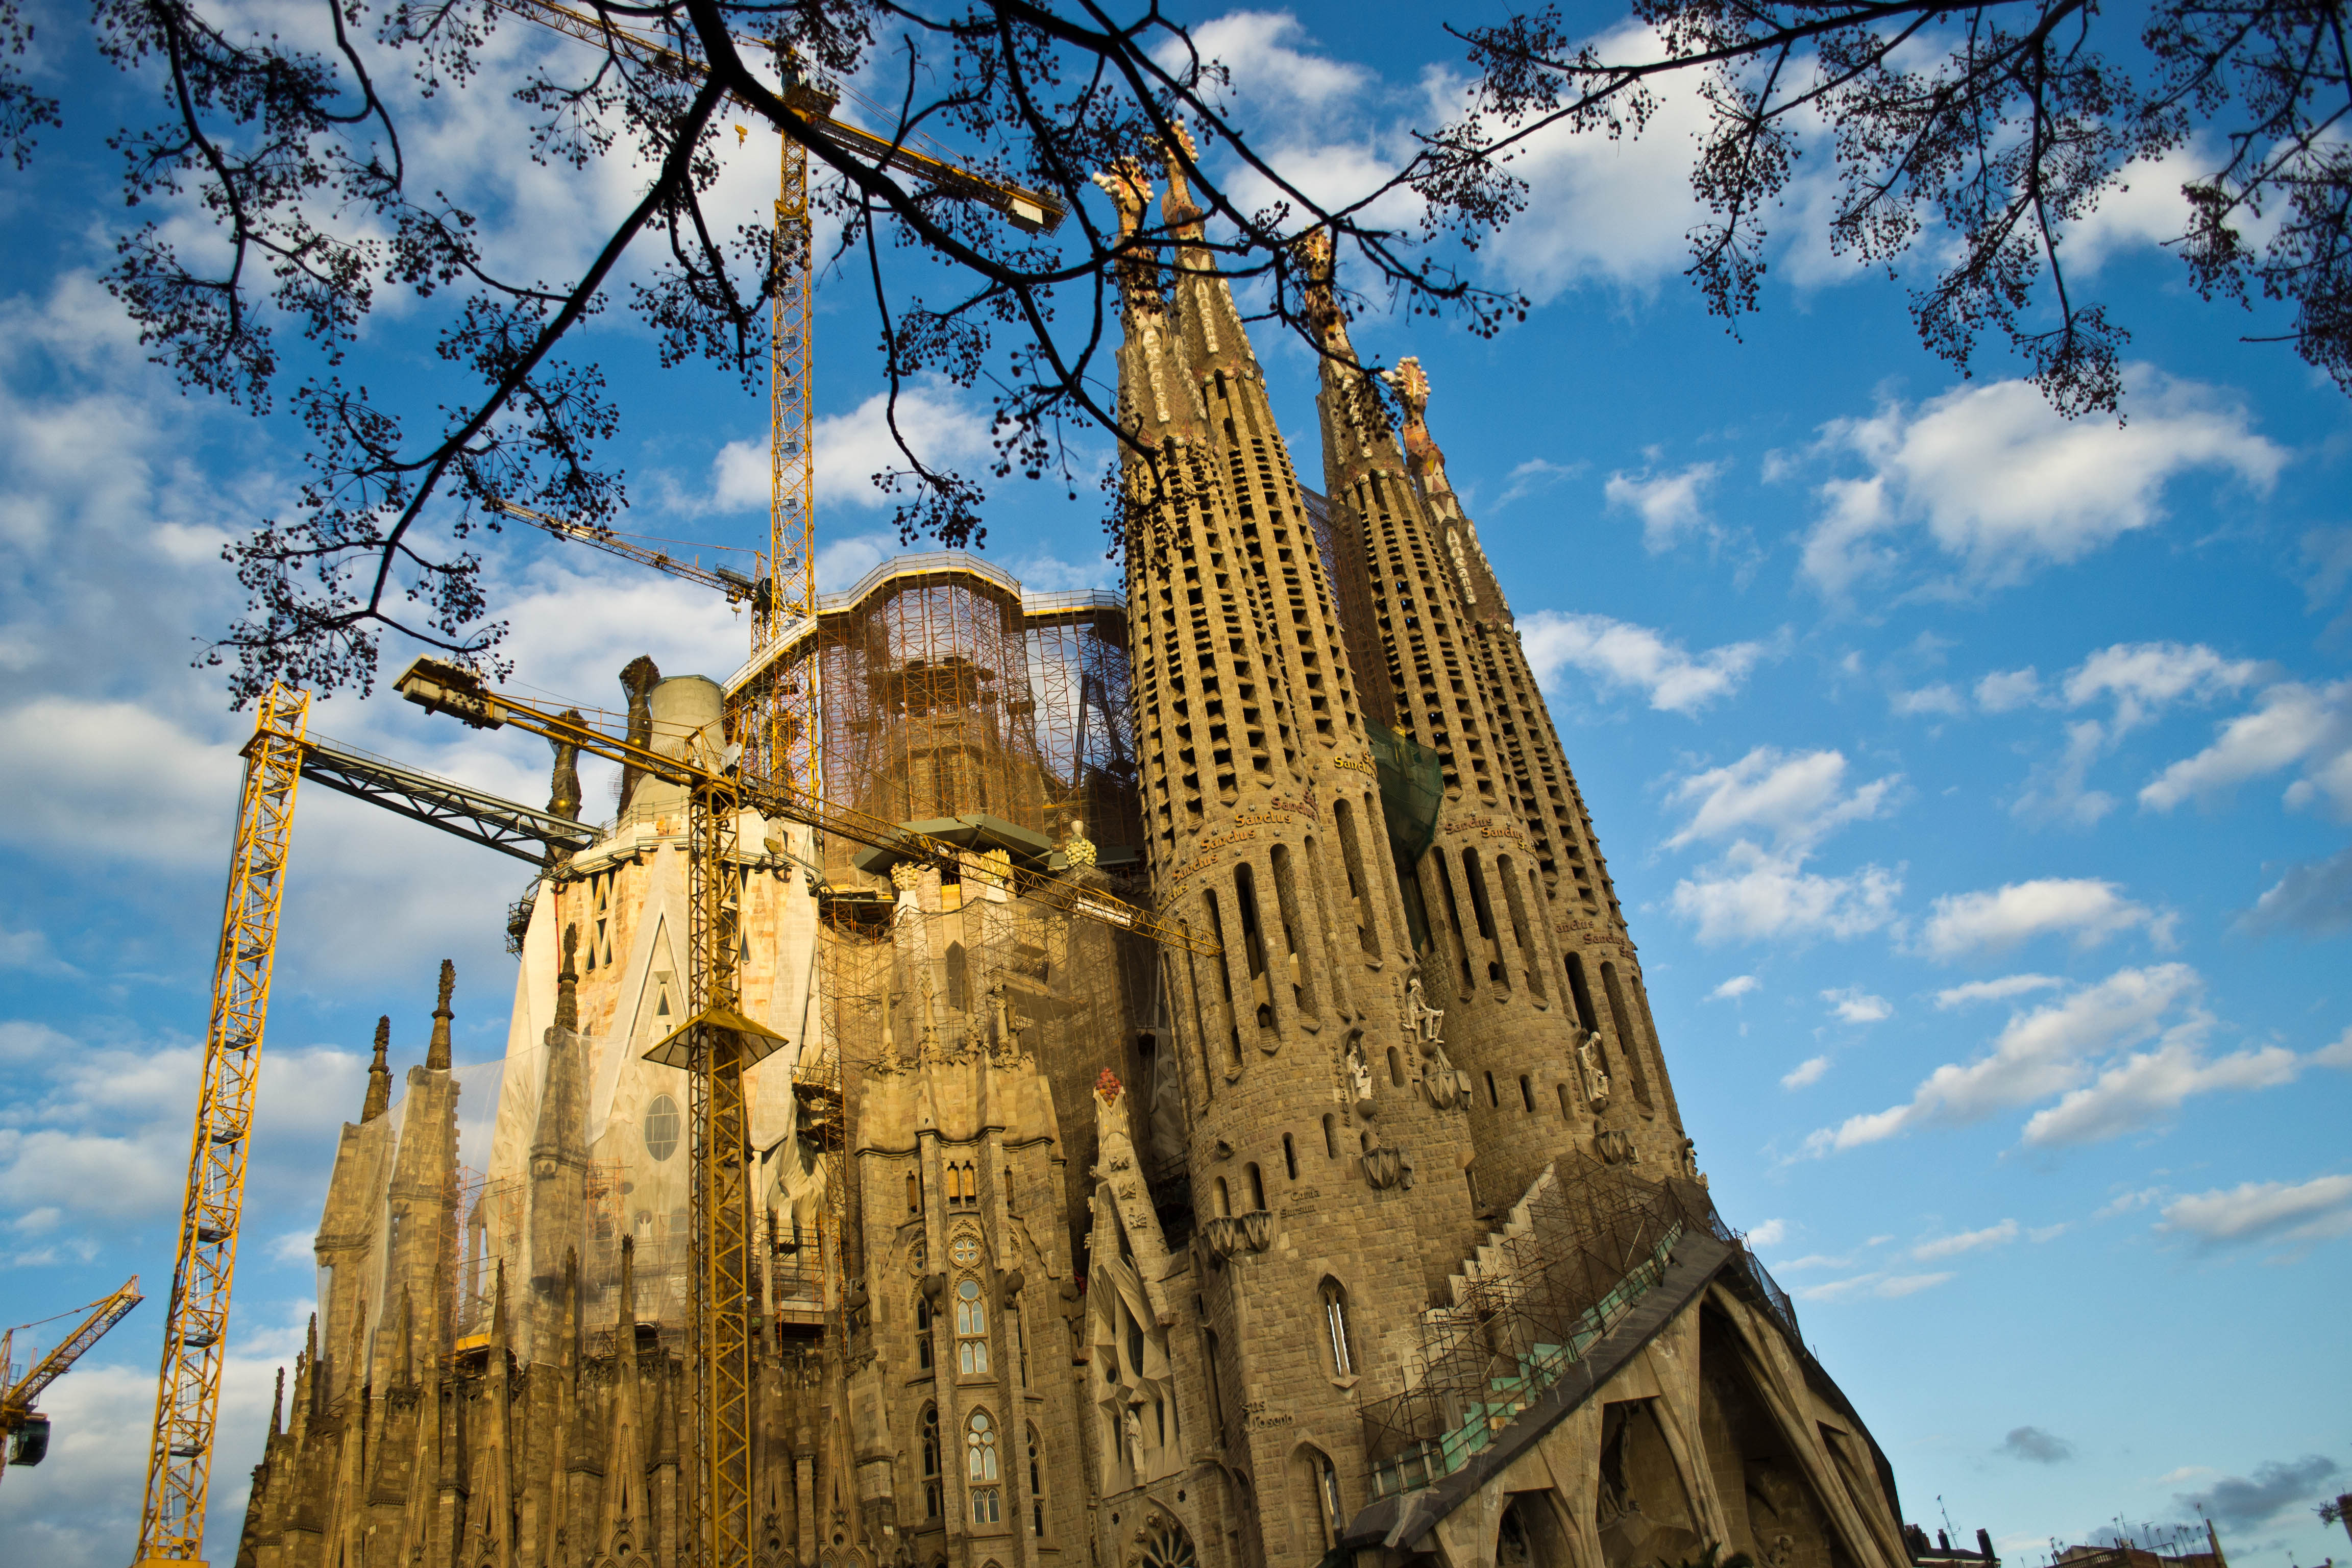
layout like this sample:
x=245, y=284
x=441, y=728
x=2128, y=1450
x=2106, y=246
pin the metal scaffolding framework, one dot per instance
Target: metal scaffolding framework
x=1586, y=1243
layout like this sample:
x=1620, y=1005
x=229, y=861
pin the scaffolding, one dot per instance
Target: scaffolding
x=946, y=691
x=1586, y=1243
x=1080, y=684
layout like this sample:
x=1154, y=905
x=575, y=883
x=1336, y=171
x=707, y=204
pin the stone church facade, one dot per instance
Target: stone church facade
x=1375, y=1237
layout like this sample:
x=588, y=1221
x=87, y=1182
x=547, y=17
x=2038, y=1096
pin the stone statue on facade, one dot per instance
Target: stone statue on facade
x=1360, y=1077
x=1595, y=1076
x=1423, y=1019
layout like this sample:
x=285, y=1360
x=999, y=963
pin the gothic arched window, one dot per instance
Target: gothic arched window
x=970, y=1327
x=980, y=1470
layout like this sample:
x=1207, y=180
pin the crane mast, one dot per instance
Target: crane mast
x=196, y=1328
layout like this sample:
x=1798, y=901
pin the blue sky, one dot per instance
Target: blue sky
x=1976, y=785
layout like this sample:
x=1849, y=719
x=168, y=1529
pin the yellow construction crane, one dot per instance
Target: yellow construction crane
x=24, y=1431
x=781, y=735
x=195, y=1329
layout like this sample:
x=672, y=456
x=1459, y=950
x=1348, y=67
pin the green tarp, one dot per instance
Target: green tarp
x=1412, y=783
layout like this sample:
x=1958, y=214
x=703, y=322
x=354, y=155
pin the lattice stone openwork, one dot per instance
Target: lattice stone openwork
x=1167, y=1544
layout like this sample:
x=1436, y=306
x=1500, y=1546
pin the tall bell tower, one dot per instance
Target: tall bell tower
x=1330, y=1187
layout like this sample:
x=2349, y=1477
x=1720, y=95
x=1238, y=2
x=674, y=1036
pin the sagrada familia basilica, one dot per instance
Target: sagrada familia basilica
x=1371, y=1234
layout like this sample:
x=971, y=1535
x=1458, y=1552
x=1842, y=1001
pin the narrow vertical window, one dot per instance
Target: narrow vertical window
x=1286, y=899
x=1396, y=1067
x=1036, y=1486
x=931, y=1461
x=1330, y=1135
x=1527, y=1093
x=1351, y=857
x=1256, y=1186
x=1492, y=1098
x=1335, y=1328
x=1289, y=1156
x=1254, y=946
x=1629, y=1038
x=923, y=1332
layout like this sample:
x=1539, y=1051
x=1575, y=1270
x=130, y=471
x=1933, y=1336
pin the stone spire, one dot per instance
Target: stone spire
x=567, y=982
x=379, y=1089
x=564, y=796
x=437, y=1055
x=559, y=1153
x=638, y=678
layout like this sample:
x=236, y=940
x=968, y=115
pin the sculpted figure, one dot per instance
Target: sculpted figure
x=1596, y=1077
x=1423, y=1019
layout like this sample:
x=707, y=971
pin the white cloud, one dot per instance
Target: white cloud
x=2292, y=723
x=2000, y=990
x=1853, y=1005
x=2006, y=690
x=1262, y=50
x=1938, y=698
x=1771, y=1233
x=1733, y=989
x=1610, y=210
x=2263, y=1211
x=938, y=421
x=30, y=951
x=1758, y=894
x=2128, y=1201
x=1808, y=1071
x=1619, y=655
x=2141, y=680
x=1670, y=505
x=2146, y=678
x=1888, y=1286
x=1971, y=924
x=2083, y=1051
x=1533, y=476
x=2145, y=1084
x=2004, y=486
x=1966, y=1241
x=2039, y=1054
x=1797, y=799
x=2313, y=898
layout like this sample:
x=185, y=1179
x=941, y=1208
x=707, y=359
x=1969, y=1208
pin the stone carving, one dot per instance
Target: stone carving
x=563, y=795
x=1078, y=850
x=1616, y=1145
x=907, y=876
x=1595, y=1076
x=1360, y=1075
x=1423, y=1019
x=1384, y=1168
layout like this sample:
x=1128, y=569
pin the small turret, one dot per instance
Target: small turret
x=379, y=1089
x=638, y=678
x=436, y=1057
x=564, y=791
